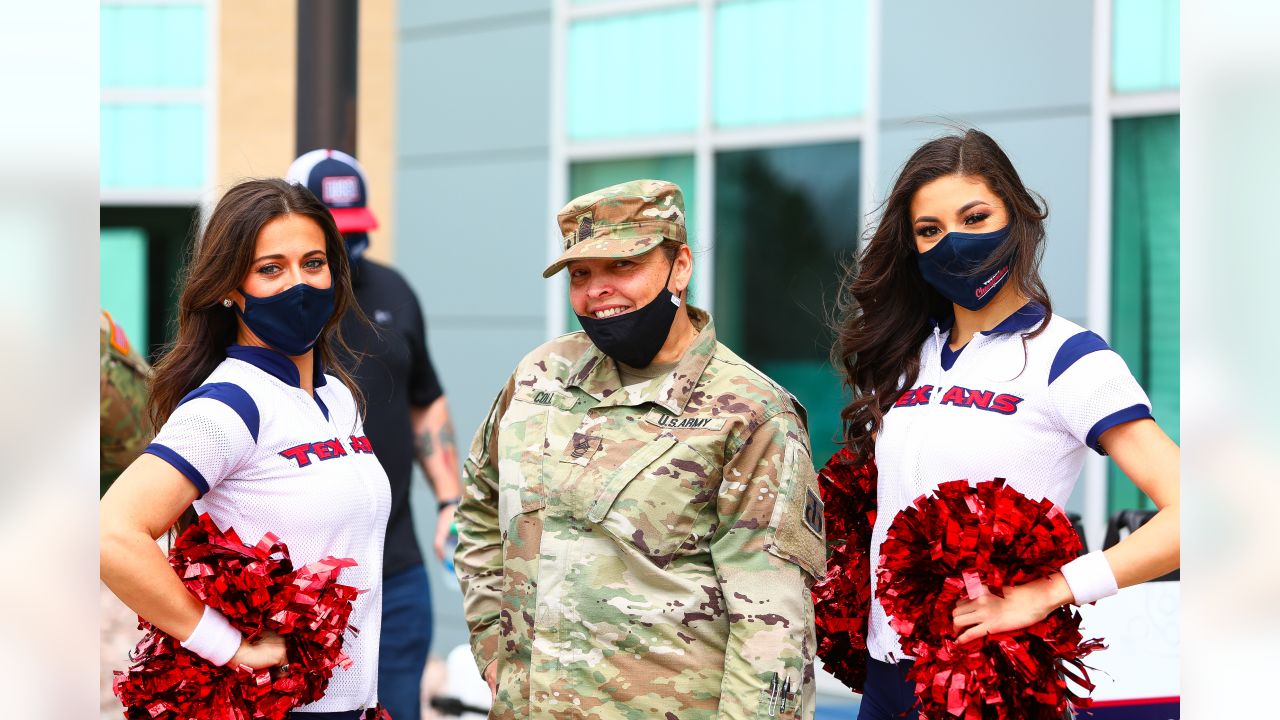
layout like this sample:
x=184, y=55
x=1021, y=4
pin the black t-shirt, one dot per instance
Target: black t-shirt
x=395, y=375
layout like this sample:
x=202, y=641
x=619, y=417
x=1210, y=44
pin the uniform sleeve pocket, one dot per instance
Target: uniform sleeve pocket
x=799, y=532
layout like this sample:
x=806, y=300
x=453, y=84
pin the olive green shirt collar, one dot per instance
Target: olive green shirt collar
x=597, y=374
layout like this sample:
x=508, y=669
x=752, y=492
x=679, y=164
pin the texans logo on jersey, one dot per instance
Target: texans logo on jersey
x=326, y=450
x=958, y=396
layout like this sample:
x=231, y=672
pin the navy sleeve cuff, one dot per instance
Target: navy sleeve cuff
x=180, y=464
x=1119, y=417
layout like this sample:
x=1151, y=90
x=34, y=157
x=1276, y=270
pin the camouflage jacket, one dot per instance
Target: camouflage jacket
x=122, y=398
x=642, y=552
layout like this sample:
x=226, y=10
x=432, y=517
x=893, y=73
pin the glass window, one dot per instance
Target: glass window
x=153, y=46
x=633, y=74
x=587, y=177
x=786, y=61
x=1144, y=46
x=122, y=275
x=153, y=146
x=1144, y=273
x=785, y=220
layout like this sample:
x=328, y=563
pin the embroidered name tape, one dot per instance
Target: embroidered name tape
x=663, y=420
x=547, y=397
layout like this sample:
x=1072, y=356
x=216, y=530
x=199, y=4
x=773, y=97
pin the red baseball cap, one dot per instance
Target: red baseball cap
x=338, y=180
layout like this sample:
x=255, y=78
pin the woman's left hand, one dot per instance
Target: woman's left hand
x=1021, y=606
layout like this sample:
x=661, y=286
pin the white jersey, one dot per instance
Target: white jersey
x=1029, y=416
x=268, y=457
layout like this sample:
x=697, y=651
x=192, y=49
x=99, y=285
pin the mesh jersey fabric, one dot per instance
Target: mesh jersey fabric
x=996, y=413
x=309, y=477
x=395, y=375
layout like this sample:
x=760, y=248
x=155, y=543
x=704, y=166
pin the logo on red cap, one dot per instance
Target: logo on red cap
x=340, y=190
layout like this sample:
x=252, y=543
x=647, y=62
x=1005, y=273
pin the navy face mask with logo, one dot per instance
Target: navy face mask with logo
x=634, y=338
x=291, y=321
x=949, y=267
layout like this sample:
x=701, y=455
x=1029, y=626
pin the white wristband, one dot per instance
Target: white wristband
x=214, y=638
x=1090, y=578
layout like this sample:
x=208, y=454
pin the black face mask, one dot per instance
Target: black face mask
x=634, y=338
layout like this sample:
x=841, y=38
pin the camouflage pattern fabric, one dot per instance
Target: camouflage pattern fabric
x=620, y=221
x=122, y=392
x=647, y=551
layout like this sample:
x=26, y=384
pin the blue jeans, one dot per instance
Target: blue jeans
x=889, y=695
x=406, y=638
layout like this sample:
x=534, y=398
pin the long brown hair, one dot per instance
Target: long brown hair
x=217, y=264
x=883, y=311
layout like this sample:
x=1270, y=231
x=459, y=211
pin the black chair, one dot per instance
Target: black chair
x=1127, y=521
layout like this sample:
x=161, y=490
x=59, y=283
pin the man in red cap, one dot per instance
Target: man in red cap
x=407, y=418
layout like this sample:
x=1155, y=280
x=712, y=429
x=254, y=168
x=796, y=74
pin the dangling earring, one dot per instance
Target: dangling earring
x=226, y=302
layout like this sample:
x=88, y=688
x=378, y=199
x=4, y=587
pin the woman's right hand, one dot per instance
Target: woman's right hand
x=266, y=651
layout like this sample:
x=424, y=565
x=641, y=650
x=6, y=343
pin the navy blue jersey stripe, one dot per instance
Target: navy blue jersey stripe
x=234, y=397
x=1076, y=347
x=949, y=356
x=1133, y=412
x=180, y=464
x=277, y=365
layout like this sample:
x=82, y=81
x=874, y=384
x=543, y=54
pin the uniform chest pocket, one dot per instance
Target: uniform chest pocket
x=520, y=468
x=655, y=499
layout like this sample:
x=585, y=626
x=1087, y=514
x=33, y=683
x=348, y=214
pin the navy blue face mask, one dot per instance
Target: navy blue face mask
x=949, y=267
x=291, y=321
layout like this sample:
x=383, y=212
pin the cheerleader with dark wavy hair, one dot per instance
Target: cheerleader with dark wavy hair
x=960, y=370
x=260, y=428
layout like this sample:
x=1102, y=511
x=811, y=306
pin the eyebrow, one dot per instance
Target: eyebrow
x=279, y=256
x=961, y=211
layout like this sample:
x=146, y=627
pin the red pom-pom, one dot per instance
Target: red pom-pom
x=966, y=536
x=842, y=599
x=258, y=590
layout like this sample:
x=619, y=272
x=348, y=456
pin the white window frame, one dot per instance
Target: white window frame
x=703, y=143
x=208, y=96
x=1106, y=107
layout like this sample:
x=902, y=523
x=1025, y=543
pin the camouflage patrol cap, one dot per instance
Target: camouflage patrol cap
x=620, y=221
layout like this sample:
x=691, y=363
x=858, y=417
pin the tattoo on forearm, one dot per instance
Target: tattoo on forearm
x=425, y=445
x=429, y=443
x=447, y=441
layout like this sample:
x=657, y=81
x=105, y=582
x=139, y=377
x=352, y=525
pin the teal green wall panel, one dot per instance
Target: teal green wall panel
x=633, y=74
x=153, y=146
x=786, y=221
x=1145, y=275
x=786, y=61
x=122, y=275
x=1145, y=47
x=153, y=46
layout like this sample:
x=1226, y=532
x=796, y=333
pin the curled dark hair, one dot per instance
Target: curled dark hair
x=883, y=311
x=218, y=264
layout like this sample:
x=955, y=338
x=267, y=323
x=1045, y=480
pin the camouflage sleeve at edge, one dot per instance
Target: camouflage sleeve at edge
x=765, y=573
x=478, y=558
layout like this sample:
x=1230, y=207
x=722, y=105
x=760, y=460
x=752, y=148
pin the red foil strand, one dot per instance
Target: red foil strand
x=258, y=590
x=842, y=599
x=944, y=548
